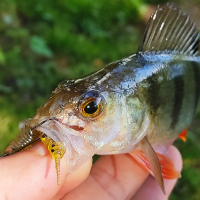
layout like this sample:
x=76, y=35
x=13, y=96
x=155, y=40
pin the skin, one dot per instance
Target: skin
x=31, y=175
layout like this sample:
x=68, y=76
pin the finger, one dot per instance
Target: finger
x=151, y=189
x=112, y=177
x=30, y=175
x=74, y=179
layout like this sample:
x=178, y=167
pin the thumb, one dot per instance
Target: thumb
x=31, y=175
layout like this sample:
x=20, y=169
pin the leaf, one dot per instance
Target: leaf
x=2, y=57
x=39, y=46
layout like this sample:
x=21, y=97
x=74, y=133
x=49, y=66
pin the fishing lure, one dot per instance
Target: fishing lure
x=135, y=105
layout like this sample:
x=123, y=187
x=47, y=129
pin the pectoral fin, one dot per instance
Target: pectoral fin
x=154, y=161
x=150, y=160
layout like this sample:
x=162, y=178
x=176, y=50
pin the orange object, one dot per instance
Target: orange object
x=183, y=135
x=168, y=169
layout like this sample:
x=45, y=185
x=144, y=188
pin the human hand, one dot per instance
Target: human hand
x=31, y=175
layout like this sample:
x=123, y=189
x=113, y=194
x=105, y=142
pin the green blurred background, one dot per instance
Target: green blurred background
x=45, y=42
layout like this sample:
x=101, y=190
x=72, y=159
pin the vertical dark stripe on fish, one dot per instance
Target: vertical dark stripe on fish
x=197, y=85
x=178, y=99
x=153, y=94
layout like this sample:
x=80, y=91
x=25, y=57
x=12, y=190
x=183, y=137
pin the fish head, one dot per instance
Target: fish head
x=81, y=117
x=91, y=116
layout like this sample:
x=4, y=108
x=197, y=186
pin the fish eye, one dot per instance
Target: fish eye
x=91, y=106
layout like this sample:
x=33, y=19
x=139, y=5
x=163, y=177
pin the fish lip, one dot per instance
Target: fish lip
x=74, y=127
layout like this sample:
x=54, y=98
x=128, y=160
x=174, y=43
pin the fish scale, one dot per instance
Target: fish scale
x=197, y=84
x=136, y=105
x=178, y=88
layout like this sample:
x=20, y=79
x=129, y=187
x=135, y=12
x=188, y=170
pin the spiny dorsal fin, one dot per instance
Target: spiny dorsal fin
x=171, y=31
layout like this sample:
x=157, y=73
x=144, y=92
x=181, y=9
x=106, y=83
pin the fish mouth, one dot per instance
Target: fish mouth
x=74, y=127
x=76, y=150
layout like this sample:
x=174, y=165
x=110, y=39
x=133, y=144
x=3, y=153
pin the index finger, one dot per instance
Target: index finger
x=117, y=177
x=111, y=177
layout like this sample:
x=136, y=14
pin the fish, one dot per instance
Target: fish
x=138, y=105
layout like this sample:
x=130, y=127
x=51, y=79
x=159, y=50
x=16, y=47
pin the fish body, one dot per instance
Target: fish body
x=138, y=103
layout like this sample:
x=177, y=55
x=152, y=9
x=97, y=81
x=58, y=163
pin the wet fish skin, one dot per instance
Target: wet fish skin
x=172, y=96
x=145, y=99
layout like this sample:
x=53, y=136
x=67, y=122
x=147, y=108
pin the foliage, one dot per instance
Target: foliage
x=45, y=42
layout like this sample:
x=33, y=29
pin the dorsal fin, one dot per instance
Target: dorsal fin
x=171, y=31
